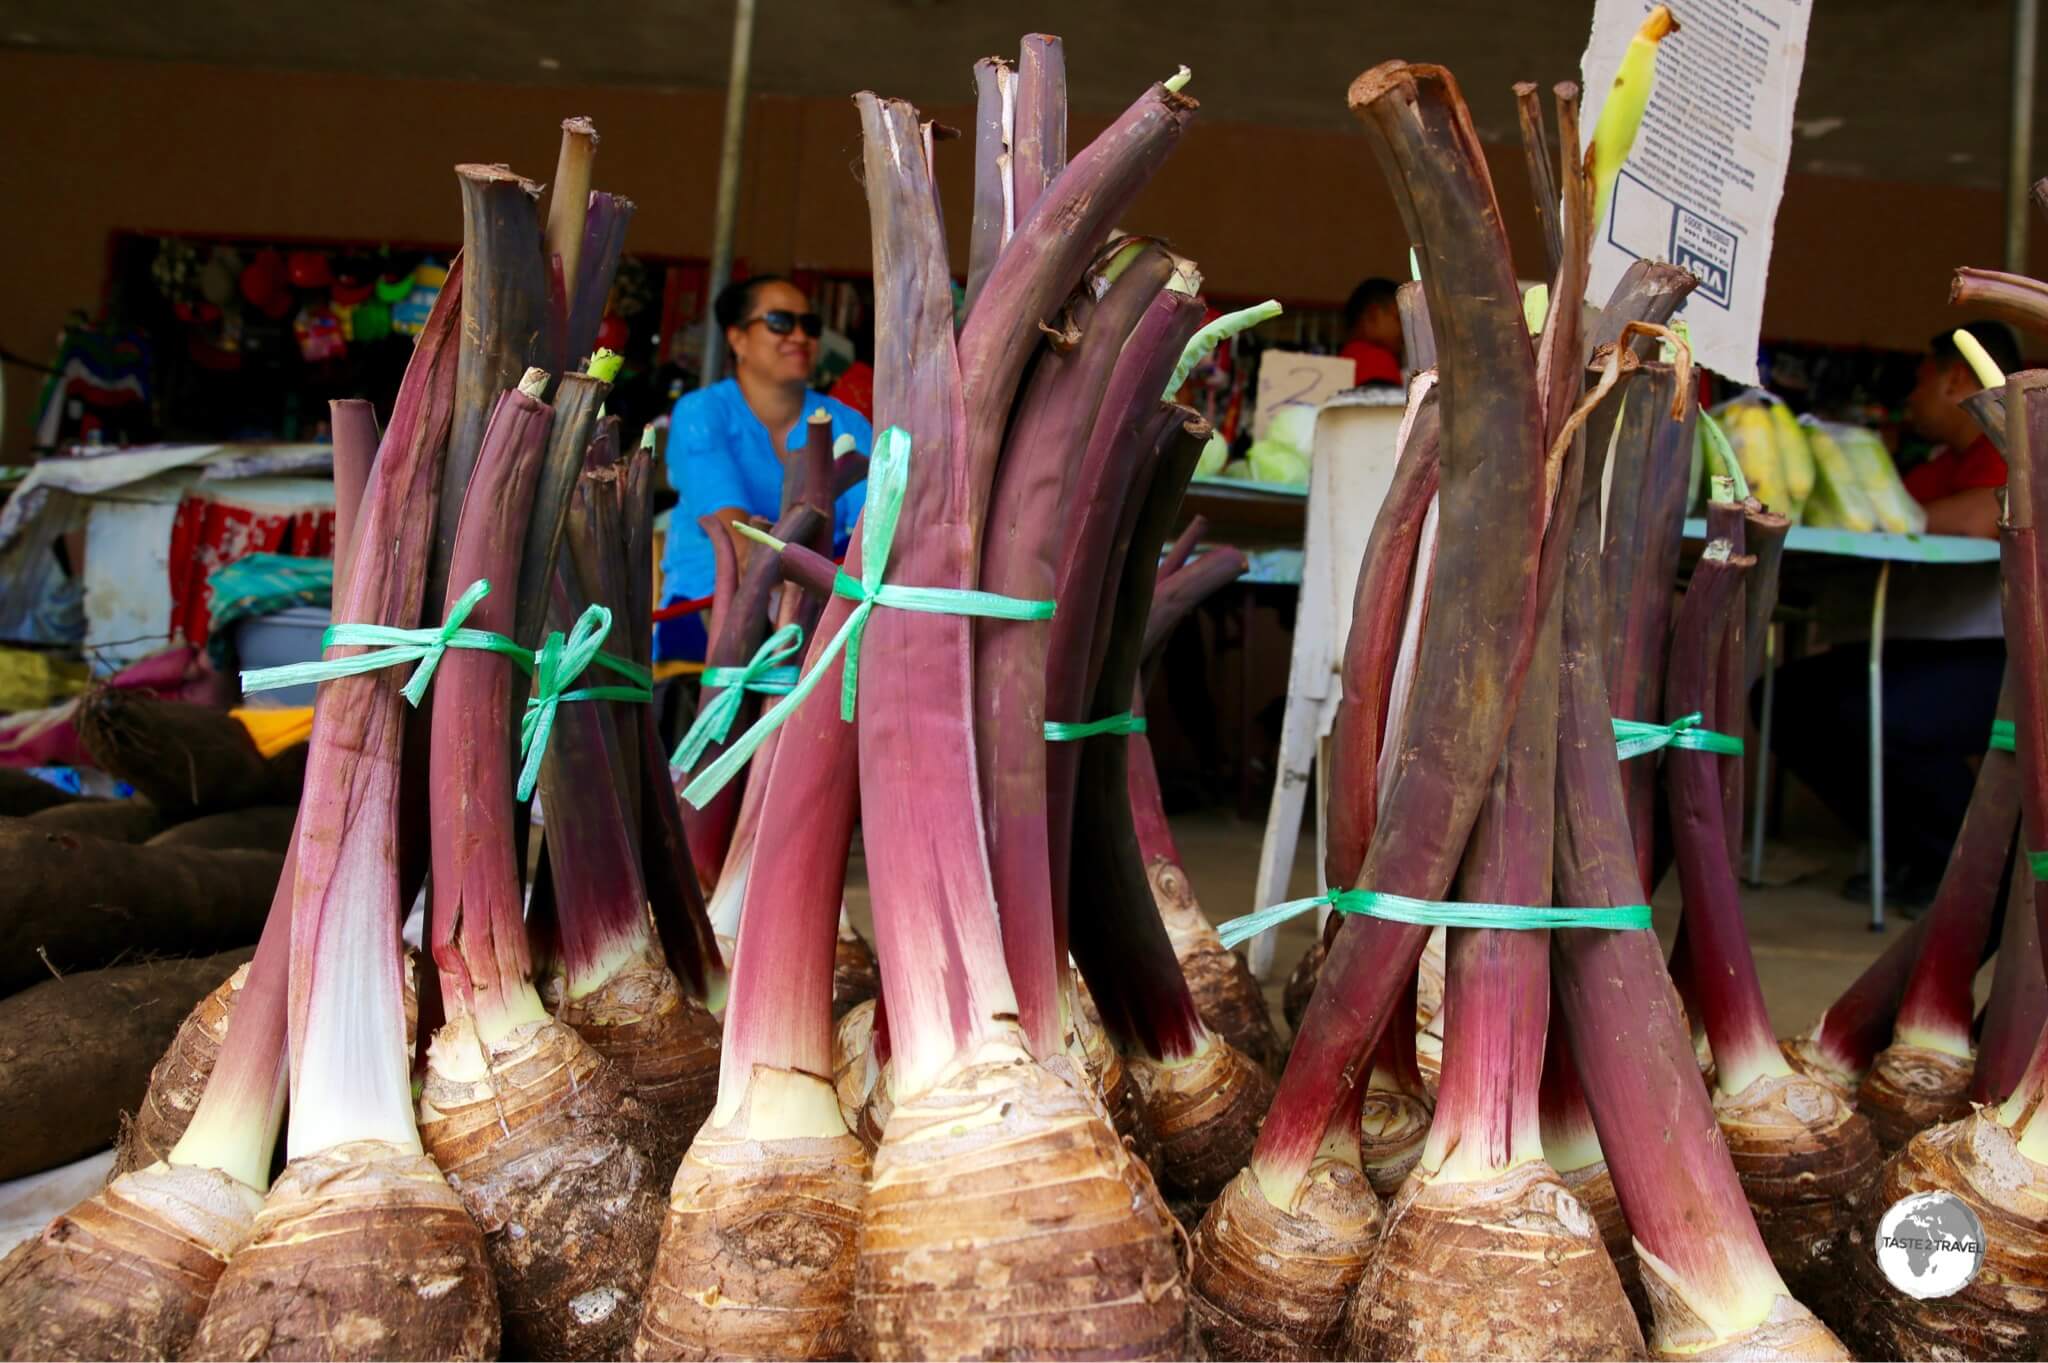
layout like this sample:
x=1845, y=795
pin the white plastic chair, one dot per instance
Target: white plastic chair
x=1352, y=468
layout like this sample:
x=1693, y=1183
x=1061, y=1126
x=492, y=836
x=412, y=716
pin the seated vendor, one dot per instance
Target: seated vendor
x=723, y=441
x=1372, y=324
x=1944, y=650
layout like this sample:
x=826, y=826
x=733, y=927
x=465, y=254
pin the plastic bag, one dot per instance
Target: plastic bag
x=1857, y=486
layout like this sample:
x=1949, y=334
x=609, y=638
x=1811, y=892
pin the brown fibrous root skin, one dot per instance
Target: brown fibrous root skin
x=543, y=1141
x=1204, y=1113
x=1509, y=1267
x=757, y=1255
x=665, y=1043
x=179, y=1079
x=1910, y=1088
x=361, y=1251
x=2002, y=1313
x=1271, y=1283
x=125, y=1274
x=1001, y=1223
x=1809, y=1167
x=1225, y=994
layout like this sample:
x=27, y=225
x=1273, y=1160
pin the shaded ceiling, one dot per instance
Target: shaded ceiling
x=1894, y=89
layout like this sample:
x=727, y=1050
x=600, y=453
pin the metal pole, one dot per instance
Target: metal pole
x=1763, y=758
x=728, y=182
x=2026, y=30
x=1884, y=577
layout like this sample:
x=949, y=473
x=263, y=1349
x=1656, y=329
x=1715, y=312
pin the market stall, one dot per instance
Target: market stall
x=414, y=992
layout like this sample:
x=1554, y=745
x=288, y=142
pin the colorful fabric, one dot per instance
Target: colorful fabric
x=262, y=584
x=212, y=531
x=276, y=728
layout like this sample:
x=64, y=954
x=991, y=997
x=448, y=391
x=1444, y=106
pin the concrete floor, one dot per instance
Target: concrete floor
x=1809, y=942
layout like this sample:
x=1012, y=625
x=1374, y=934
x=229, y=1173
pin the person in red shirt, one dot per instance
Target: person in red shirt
x=1958, y=483
x=1374, y=323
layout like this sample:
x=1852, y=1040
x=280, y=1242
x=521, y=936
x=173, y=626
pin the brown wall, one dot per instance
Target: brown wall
x=1294, y=213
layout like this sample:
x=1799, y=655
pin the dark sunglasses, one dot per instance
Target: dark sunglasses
x=782, y=321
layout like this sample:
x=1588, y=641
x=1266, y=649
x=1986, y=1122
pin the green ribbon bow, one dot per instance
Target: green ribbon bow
x=726, y=687
x=556, y=667
x=391, y=646
x=1125, y=723
x=1634, y=737
x=1399, y=908
x=559, y=663
x=888, y=480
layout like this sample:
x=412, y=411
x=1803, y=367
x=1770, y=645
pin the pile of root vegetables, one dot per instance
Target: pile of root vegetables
x=118, y=915
x=646, y=1093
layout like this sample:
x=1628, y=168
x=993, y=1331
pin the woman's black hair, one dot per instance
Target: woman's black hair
x=736, y=300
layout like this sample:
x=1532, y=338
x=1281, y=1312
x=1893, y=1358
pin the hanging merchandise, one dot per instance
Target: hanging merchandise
x=393, y=286
x=308, y=270
x=409, y=314
x=217, y=277
x=319, y=334
x=98, y=372
x=176, y=271
x=370, y=319
x=266, y=286
x=351, y=289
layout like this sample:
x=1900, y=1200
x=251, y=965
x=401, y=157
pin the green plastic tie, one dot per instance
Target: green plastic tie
x=2004, y=736
x=1634, y=737
x=726, y=688
x=557, y=666
x=888, y=480
x=1125, y=723
x=1398, y=908
x=391, y=646
x=2037, y=863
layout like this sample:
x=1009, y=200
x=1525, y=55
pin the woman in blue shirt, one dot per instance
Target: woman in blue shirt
x=723, y=440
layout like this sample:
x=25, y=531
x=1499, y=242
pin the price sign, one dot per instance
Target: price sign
x=1289, y=378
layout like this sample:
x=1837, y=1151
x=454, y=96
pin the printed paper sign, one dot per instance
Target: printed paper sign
x=1701, y=188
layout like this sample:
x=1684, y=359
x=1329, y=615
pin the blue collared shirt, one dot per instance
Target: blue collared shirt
x=719, y=454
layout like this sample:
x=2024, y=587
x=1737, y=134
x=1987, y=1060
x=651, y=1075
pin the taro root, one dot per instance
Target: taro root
x=1479, y=625
x=1994, y=1161
x=538, y=1134
x=1805, y=1158
x=855, y=977
x=361, y=1249
x=1226, y=996
x=1271, y=1283
x=1923, y=1077
x=989, y=1274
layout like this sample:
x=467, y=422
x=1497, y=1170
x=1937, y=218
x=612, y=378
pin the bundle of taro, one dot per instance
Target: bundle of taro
x=1573, y=1174
x=478, y=1161
x=968, y=1187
